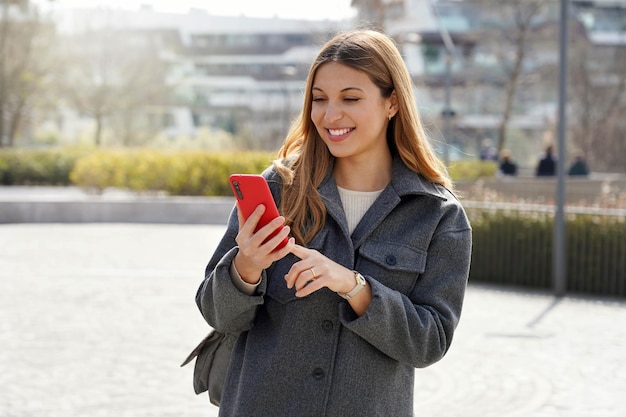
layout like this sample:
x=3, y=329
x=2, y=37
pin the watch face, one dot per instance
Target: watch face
x=360, y=280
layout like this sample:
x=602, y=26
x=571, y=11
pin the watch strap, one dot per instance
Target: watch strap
x=360, y=283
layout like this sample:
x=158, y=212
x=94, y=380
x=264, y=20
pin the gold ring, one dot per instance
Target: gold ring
x=313, y=272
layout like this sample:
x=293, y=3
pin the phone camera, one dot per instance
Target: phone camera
x=238, y=190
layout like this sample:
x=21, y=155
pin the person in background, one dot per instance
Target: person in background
x=547, y=164
x=507, y=166
x=488, y=152
x=579, y=167
x=372, y=281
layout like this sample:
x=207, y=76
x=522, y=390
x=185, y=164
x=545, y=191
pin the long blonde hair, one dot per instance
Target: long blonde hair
x=304, y=159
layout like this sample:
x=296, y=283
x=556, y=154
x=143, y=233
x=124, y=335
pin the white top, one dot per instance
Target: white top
x=355, y=204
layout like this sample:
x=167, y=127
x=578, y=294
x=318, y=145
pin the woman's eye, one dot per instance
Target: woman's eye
x=318, y=99
x=351, y=99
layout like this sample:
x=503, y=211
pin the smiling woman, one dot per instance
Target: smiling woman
x=370, y=284
x=309, y=10
x=351, y=117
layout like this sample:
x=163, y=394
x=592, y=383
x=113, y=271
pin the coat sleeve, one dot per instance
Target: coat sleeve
x=417, y=328
x=221, y=303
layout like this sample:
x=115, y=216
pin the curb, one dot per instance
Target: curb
x=173, y=210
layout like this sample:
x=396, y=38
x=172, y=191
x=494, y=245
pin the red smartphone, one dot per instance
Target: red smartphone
x=251, y=190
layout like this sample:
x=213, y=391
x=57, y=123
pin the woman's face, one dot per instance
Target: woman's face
x=349, y=112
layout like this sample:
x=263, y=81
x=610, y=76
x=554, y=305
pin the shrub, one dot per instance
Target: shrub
x=99, y=170
x=514, y=247
x=205, y=173
x=178, y=172
x=199, y=173
x=472, y=169
x=38, y=166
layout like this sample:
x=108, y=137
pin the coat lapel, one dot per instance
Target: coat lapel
x=404, y=182
x=330, y=196
x=381, y=208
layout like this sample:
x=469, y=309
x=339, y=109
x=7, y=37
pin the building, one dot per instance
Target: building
x=463, y=56
x=243, y=75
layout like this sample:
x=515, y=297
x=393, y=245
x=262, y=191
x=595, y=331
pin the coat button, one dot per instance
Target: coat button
x=318, y=373
x=391, y=260
x=327, y=325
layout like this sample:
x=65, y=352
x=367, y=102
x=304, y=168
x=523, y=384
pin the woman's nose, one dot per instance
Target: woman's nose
x=333, y=113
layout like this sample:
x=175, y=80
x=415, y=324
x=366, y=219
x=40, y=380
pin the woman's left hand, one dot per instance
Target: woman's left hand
x=315, y=271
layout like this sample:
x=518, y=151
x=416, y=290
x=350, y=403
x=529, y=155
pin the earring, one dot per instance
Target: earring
x=389, y=117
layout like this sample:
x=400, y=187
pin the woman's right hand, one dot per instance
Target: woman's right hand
x=254, y=256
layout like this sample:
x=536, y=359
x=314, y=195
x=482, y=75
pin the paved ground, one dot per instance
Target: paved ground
x=95, y=320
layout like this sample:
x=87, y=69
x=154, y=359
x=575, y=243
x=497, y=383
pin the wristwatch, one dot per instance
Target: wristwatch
x=360, y=284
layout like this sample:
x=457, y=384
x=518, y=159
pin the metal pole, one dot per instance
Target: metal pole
x=447, y=112
x=559, y=218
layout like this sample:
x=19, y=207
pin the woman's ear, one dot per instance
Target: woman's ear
x=393, y=104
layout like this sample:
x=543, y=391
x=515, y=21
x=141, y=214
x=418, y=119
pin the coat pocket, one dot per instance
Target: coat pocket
x=393, y=265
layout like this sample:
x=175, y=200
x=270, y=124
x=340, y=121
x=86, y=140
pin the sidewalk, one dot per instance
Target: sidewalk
x=26, y=204
x=95, y=320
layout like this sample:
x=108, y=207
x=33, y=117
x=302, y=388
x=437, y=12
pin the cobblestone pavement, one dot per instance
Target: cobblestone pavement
x=95, y=320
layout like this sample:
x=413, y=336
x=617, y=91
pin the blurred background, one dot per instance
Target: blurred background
x=120, y=122
x=169, y=97
x=225, y=75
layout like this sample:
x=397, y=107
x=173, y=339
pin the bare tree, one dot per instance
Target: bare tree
x=511, y=37
x=597, y=103
x=25, y=45
x=111, y=76
x=142, y=85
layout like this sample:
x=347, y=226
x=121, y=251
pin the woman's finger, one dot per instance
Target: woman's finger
x=251, y=222
x=297, y=268
x=300, y=251
x=307, y=277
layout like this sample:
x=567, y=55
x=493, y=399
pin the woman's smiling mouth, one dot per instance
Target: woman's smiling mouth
x=338, y=134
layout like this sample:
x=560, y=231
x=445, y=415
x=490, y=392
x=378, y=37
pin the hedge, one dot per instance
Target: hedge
x=470, y=169
x=193, y=173
x=514, y=247
x=38, y=166
x=143, y=170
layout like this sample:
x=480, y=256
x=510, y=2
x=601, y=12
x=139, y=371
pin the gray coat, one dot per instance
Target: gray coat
x=313, y=356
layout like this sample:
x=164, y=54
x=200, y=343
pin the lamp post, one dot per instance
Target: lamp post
x=447, y=111
x=559, y=217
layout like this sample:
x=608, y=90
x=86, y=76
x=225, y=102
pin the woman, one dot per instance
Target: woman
x=371, y=283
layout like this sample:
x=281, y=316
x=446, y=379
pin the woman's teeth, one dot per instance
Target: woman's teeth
x=338, y=132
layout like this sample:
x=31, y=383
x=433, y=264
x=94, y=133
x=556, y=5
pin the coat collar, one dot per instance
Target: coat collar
x=403, y=182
